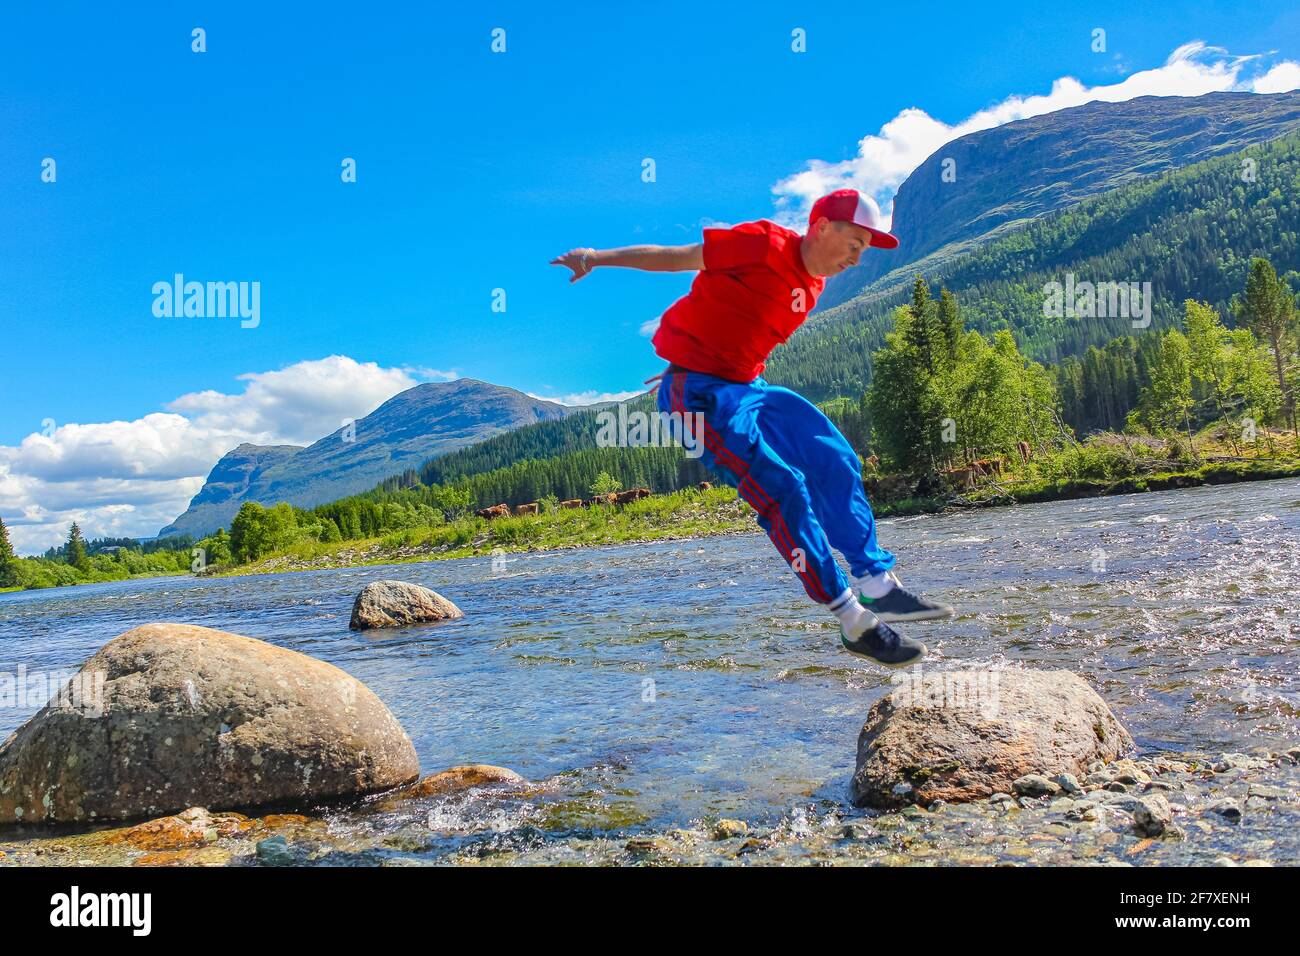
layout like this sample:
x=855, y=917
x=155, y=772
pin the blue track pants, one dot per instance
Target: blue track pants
x=793, y=467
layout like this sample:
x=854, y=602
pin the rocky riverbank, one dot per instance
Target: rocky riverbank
x=1224, y=809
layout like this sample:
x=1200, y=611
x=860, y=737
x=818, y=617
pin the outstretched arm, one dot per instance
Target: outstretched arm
x=646, y=258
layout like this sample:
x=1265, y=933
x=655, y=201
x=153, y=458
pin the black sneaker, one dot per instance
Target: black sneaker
x=901, y=604
x=884, y=645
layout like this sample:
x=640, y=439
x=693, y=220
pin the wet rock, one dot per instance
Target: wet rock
x=1083, y=812
x=184, y=716
x=397, y=603
x=274, y=851
x=1152, y=815
x=189, y=828
x=1264, y=792
x=1233, y=761
x=1068, y=783
x=1122, y=801
x=460, y=778
x=1227, y=808
x=647, y=846
x=1035, y=785
x=200, y=856
x=917, y=746
x=727, y=829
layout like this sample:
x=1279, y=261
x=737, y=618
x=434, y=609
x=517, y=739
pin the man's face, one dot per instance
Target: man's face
x=836, y=246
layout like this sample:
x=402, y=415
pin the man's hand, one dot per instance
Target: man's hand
x=646, y=258
x=579, y=260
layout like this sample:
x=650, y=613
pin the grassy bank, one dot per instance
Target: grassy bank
x=695, y=514
x=684, y=514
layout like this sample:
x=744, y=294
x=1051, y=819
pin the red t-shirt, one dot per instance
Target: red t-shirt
x=751, y=295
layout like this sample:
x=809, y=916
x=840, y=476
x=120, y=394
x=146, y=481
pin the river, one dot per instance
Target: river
x=660, y=685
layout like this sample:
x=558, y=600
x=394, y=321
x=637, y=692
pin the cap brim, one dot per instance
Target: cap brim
x=881, y=240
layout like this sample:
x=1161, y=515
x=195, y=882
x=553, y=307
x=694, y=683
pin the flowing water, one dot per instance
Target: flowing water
x=662, y=686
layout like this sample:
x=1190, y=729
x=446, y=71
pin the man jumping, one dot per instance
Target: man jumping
x=757, y=283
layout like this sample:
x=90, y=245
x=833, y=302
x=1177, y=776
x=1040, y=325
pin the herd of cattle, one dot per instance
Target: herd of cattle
x=886, y=486
x=961, y=478
x=533, y=507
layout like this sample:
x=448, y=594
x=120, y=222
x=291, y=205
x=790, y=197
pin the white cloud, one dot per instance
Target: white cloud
x=425, y=374
x=297, y=404
x=1281, y=79
x=649, y=327
x=591, y=397
x=129, y=478
x=886, y=158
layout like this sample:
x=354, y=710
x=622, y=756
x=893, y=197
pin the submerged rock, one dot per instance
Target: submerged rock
x=189, y=828
x=927, y=742
x=1152, y=815
x=172, y=716
x=461, y=778
x=726, y=829
x=1035, y=785
x=397, y=603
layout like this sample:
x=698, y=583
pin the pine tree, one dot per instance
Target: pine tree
x=74, y=552
x=950, y=322
x=8, y=560
x=1269, y=310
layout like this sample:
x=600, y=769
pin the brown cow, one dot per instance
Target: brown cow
x=606, y=499
x=632, y=494
x=963, y=478
x=987, y=466
x=528, y=509
x=705, y=485
x=571, y=503
x=496, y=511
x=887, y=486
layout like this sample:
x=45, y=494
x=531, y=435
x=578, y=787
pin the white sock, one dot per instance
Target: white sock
x=878, y=585
x=853, y=617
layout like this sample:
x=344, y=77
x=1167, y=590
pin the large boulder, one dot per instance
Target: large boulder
x=171, y=716
x=396, y=603
x=965, y=735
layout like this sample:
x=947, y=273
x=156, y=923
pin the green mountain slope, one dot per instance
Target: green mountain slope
x=1012, y=173
x=1190, y=233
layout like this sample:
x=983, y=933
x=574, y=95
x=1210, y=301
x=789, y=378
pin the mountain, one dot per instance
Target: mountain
x=1190, y=232
x=1018, y=171
x=228, y=484
x=423, y=422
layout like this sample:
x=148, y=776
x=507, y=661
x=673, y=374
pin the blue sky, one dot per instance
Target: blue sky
x=473, y=170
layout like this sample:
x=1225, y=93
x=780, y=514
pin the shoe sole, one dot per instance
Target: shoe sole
x=875, y=660
x=932, y=615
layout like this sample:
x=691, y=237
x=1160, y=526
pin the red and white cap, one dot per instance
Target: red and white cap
x=849, y=205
